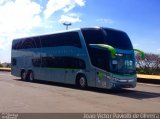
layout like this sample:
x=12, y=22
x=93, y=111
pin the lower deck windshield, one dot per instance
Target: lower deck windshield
x=123, y=64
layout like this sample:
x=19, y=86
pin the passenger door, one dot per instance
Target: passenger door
x=101, y=79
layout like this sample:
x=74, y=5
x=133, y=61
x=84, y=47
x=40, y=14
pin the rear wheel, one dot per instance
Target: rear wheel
x=82, y=81
x=31, y=76
x=23, y=75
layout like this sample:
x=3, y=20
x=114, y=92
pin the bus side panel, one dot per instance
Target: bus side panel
x=90, y=72
x=90, y=76
x=16, y=68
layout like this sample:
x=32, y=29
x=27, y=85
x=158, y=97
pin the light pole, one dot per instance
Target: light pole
x=67, y=24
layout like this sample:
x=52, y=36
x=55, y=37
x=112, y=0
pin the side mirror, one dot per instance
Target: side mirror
x=104, y=46
x=141, y=52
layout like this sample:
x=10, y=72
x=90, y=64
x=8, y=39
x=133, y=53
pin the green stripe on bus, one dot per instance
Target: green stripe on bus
x=141, y=52
x=108, y=47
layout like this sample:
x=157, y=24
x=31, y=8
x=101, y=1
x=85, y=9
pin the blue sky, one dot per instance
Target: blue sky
x=21, y=18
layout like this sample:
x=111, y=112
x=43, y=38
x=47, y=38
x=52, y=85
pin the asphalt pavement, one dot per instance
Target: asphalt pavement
x=45, y=97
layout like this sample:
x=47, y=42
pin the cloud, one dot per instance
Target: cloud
x=71, y=18
x=17, y=18
x=18, y=15
x=64, y=5
x=3, y=1
x=158, y=49
x=106, y=21
x=80, y=2
x=21, y=18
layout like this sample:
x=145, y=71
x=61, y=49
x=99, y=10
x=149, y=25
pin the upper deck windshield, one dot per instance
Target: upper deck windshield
x=114, y=38
x=118, y=39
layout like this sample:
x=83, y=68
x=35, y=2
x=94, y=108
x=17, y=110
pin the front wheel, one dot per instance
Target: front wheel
x=82, y=82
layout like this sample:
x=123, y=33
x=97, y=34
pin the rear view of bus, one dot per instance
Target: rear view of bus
x=111, y=54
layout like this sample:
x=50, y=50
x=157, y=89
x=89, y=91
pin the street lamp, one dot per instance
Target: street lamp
x=67, y=24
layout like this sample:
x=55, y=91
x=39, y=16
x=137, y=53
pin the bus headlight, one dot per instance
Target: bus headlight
x=112, y=78
x=121, y=80
x=115, y=79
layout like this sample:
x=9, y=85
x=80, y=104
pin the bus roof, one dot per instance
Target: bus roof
x=70, y=30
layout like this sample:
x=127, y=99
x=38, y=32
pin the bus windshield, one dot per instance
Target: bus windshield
x=118, y=39
x=123, y=63
x=101, y=58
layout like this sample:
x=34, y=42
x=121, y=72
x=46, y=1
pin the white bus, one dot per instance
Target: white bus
x=96, y=57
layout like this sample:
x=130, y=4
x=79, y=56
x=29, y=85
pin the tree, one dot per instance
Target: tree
x=150, y=65
x=1, y=65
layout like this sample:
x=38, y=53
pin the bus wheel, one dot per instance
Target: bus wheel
x=31, y=76
x=23, y=75
x=82, y=81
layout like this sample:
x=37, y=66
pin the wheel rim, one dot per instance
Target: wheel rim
x=82, y=82
x=23, y=76
x=31, y=76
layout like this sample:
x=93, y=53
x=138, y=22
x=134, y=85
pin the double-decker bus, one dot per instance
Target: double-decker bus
x=96, y=57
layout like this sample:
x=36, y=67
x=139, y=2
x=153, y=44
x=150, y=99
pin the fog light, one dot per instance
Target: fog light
x=115, y=79
x=123, y=81
x=131, y=80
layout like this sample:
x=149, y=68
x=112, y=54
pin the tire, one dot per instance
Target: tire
x=23, y=75
x=82, y=82
x=31, y=76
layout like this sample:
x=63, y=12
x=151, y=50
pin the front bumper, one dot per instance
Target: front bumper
x=117, y=81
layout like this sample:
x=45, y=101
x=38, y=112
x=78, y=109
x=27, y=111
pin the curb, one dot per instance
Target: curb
x=6, y=70
x=150, y=81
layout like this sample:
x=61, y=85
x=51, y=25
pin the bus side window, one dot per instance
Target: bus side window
x=61, y=39
x=14, y=62
x=36, y=62
x=81, y=64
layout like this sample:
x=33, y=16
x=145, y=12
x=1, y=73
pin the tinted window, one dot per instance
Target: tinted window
x=27, y=43
x=36, y=62
x=61, y=39
x=99, y=58
x=16, y=44
x=93, y=36
x=63, y=62
x=37, y=42
x=118, y=39
x=54, y=40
